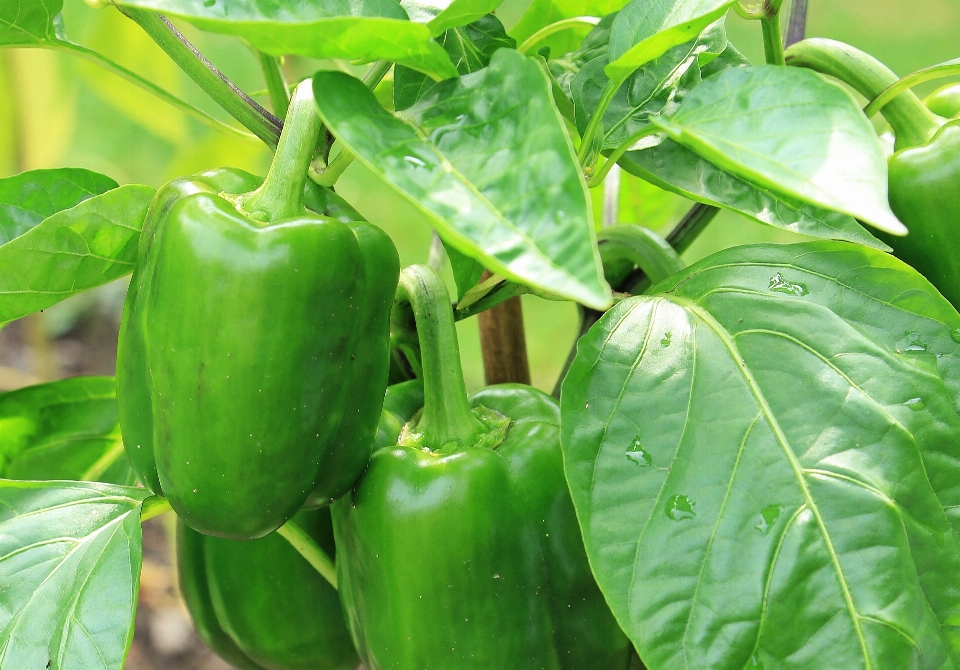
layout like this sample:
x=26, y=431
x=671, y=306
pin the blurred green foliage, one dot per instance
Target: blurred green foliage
x=58, y=110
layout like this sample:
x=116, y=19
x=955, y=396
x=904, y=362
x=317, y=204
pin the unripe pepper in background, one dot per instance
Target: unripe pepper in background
x=924, y=170
x=259, y=605
x=459, y=549
x=254, y=346
x=944, y=101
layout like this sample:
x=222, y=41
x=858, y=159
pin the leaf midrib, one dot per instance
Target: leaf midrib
x=798, y=471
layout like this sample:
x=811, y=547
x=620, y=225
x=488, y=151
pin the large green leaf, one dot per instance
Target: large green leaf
x=74, y=250
x=70, y=557
x=359, y=31
x=647, y=29
x=28, y=22
x=68, y=429
x=542, y=13
x=487, y=159
x=675, y=168
x=765, y=455
x=28, y=198
x=792, y=132
x=470, y=48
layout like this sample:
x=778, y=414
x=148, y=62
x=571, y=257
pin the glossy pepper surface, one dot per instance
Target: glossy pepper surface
x=459, y=549
x=944, y=101
x=253, y=351
x=923, y=172
x=259, y=605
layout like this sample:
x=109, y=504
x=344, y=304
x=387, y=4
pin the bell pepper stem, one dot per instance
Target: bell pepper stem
x=310, y=550
x=447, y=416
x=281, y=195
x=912, y=122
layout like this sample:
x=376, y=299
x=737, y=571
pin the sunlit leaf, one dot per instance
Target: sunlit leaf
x=542, y=13
x=28, y=22
x=70, y=556
x=792, y=132
x=470, y=48
x=647, y=29
x=68, y=429
x=28, y=198
x=74, y=250
x=486, y=157
x=358, y=31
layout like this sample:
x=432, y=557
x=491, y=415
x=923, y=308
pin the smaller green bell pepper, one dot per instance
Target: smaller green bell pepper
x=259, y=605
x=459, y=549
x=944, y=101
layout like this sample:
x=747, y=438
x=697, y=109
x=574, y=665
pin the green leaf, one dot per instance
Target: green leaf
x=70, y=556
x=470, y=48
x=74, y=250
x=357, y=31
x=675, y=168
x=656, y=88
x=792, y=132
x=542, y=13
x=647, y=29
x=487, y=159
x=28, y=22
x=28, y=198
x=763, y=456
x=466, y=271
x=442, y=15
x=68, y=429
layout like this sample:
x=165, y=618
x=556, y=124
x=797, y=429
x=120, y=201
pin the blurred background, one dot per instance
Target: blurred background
x=57, y=110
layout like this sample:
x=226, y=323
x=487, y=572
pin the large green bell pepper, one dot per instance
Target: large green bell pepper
x=459, y=548
x=924, y=171
x=259, y=605
x=254, y=345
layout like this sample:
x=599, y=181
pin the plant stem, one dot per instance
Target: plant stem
x=693, y=223
x=145, y=84
x=948, y=69
x=277, y=87
x=556, y=27
x=447, y=416
x=281, y=194
x=641, y=246
x=503, y=342
x=911, y=121
x=597, y=179
x=154, y=506
x=797, y=26
x=238, y=104
x=585, y=154
x=335, y=168
x=772, y=39
x=310, y=550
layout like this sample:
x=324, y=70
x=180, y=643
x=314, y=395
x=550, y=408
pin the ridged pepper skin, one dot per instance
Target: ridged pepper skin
x=254, y=346
x=468, y=556
x=259, y=605
x=925, y=196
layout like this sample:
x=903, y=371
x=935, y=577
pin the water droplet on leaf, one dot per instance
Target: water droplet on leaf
x=911, y=342
x=637, y=454
x=768, y=517
x=916, y=404
x=780, y=285
x=680, y=507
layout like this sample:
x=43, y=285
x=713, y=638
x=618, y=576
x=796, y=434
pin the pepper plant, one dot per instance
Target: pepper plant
x=750, y=462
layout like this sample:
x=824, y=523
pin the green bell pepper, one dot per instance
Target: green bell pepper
x=254, y=345
x=259, y=605
x=944, y=101
x=459, y=549
x=924, y=171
